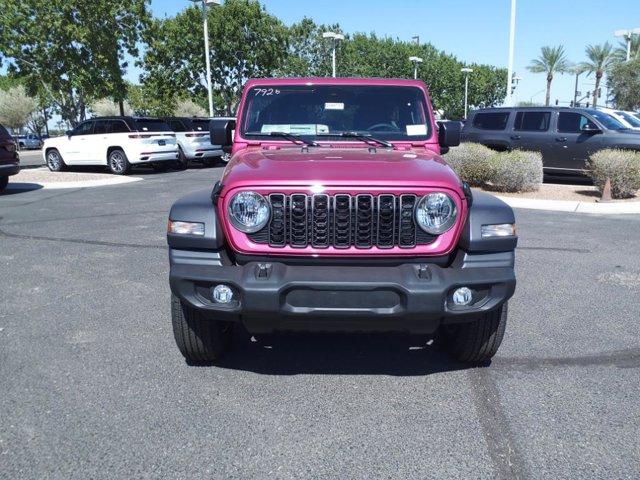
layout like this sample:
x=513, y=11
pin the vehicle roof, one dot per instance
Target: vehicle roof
x=564, y=109
x=125, y=117
x=185, y=118
x=404, y=82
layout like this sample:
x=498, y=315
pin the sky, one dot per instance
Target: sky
x=473, y=30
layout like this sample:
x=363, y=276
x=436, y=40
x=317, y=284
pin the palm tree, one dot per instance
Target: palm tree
x=552, y=60
x=600, y=59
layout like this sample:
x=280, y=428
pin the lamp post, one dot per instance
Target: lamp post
x=466, y=72
x=335, y=38
x=512, y=36
x=205, y=4
x=628, y=35
x=415, y=61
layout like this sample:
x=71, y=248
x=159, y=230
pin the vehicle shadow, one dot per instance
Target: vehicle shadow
x=337, y=354
x=15, y=188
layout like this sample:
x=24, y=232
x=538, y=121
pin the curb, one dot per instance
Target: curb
x=573, y=206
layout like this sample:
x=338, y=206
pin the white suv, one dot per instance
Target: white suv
x=194, y=141
x=628, y=119
x=117, y=142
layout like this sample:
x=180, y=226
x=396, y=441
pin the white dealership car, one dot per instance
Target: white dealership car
x=117, y=142
x=628, y=119
x=194, y=142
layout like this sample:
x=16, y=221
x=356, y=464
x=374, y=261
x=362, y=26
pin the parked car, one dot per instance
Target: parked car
x=117, y=142
x=566, y=137
x=336, y=213
x=29, y=142
x=192, y=136
x=628, y=119
x=9, y=158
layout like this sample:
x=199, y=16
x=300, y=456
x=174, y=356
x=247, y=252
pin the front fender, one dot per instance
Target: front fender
x=197, y=207
x=487, y=210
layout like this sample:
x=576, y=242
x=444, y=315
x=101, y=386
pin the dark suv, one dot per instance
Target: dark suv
x=566, y=137
x=9, y=159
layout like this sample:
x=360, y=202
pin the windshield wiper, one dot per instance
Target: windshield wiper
x=292, y=137
x=365, y=137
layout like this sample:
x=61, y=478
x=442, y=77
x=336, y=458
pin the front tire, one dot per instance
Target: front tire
x=478, y=341
x=55, y=163
x=118, y=162
x=201, y=339
x=4, y=181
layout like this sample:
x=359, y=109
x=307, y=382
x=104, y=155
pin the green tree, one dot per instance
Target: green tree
x=245, y=40
x=624, y=84
x=308, y=54
x=621, y=51
x=552, y=60
x=71, y=51
x=600, y=58
x=16, y=107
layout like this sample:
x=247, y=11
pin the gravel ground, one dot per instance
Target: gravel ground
x=580, y=193
x=92, y=385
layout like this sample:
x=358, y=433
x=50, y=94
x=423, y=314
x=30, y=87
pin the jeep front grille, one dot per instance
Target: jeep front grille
x=342, y=221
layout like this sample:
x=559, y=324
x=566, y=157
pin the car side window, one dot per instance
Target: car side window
x=177, y=126
x=84, y=129
x=571, y=122
x=532, y=121
x=101, y=127
x=118, y=126
x=491, y=120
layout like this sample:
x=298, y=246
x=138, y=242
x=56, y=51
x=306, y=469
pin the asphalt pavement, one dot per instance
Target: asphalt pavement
x=92, y=385
x=31, y=158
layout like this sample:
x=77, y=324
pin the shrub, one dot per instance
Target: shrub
x=515, y=171
x=621, y=166
x=472, y=162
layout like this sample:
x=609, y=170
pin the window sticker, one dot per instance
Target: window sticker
x=414, y=130
x=300, y=129
x=334, y=106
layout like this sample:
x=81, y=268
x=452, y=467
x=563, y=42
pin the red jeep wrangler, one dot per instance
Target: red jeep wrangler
x=337, y=213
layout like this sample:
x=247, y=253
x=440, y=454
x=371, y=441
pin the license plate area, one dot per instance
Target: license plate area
x=307, y=300
x=162, y=142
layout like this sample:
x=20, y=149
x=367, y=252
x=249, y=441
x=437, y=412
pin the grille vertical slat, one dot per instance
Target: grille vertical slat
x=342, y=221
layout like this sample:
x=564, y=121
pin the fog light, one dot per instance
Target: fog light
x=222, y=294
x=462, y=296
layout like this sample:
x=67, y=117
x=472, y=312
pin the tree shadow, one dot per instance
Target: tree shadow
x=337, y=354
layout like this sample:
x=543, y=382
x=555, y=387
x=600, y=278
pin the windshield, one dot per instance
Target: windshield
x=386, y=112
x=630, y=119
x=607, y=120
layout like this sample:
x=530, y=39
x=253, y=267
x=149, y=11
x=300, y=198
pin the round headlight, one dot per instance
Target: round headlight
x=249, y=211
x=436, y=213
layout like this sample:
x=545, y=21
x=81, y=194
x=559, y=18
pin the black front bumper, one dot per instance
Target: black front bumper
x=410, y=297
x=8, y=169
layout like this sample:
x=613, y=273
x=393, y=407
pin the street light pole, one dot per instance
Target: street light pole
x=415, y=61
x=335, y=38
x=466, y=72
x=628, y=36
x=512, y=36
x=205, y=22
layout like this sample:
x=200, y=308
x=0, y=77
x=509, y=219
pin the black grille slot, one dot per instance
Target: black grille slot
x=364, y=221
x=407, y=225
x=386, y=221
x=320, y=223
x=277, y=228
x=298, y=222
x=342, y=221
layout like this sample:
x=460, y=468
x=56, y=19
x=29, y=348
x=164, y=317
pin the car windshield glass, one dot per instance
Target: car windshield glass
x=152, y=125
x=607, y=120
x=200, y=125
x=630, y=119
x=385, y=112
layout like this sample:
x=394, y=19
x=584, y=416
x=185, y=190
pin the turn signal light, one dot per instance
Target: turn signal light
x=499, y=230
x=186, y=228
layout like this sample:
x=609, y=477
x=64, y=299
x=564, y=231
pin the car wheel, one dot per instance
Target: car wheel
x=54, y=160
x=4, y=181
x=118, y=162
x=201, y=339
x=476, y=342
x=183, y=161
x=225, y=157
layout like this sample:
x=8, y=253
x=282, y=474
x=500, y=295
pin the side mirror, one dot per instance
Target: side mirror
x=221, y=132
x=449, y=134
x=590, y=128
